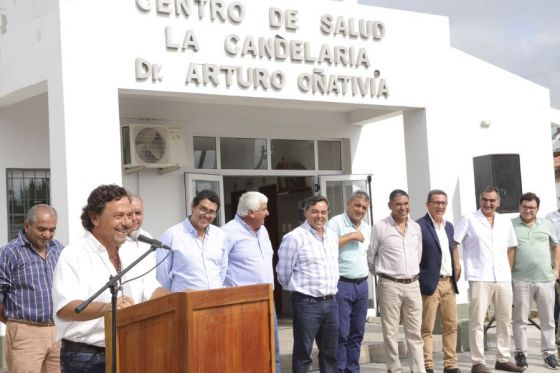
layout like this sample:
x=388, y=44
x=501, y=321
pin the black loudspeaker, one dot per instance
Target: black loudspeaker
x=503, y=172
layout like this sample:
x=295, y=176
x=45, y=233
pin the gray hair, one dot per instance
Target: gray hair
x=250, y=201
x=31, y=215
x=135, y=196
x=359, y=194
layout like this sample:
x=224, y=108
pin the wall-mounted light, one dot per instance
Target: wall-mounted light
x=485, y=123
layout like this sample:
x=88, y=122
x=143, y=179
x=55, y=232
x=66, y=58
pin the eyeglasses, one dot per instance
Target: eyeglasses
x=532, y=208
x=439, y=203
x=205, y=211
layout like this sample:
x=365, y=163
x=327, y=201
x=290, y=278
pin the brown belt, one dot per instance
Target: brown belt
x=29, y=322
x=399, y=280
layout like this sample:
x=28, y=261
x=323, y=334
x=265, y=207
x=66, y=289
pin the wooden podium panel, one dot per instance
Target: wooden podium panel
x=213, y=331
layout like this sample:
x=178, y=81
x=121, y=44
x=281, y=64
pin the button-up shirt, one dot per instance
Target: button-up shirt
x=485, y=247
x=393, y=253
x=532, y=255
x=352, y=257
x=26, y=280
x=83, y=268
x=445, y=269
x=193, y=263
x=249, y=254
x=554, y=218
x=307, y=262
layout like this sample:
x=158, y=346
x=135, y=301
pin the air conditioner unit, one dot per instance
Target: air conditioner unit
x=153, y=146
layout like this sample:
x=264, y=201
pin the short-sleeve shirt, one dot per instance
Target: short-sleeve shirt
x=352, y=258
x=82, y=269
x=532, y=254
x=485, y=247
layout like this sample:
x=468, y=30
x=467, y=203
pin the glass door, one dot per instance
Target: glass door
x=194, y=183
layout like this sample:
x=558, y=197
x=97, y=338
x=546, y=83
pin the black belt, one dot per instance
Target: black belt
x=399, y=280
x=318, y=299
x=353, y=280
x=441, y=277
x=81, y=347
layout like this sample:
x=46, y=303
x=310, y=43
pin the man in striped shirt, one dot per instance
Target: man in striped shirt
x=308, y=267
x=26, y=270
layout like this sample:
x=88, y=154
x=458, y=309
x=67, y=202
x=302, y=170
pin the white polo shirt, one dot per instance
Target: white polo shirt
x=485, y=247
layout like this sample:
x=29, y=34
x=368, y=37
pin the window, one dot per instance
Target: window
x=292, y=154
x=204, y=152
x=25, y=188
x=243, y=154
x=329, y=155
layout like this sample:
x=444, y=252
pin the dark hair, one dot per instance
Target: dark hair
x=489, y=189
x=206, y=194
x=313, y=200
x=530, y=197
x=359, y=194
x=435, y=192
x=397, y=192
x=97, y=200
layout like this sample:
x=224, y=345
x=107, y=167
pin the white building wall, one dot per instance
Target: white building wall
x=88, y=61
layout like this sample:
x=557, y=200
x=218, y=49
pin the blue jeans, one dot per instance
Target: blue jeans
x=314, y=320
x=78, y=362
x=352, y=302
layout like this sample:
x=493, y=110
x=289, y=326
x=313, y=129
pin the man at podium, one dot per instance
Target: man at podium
x=84, y=267
x=250, y=250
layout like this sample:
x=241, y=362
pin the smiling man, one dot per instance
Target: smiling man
x=439, y=271
x=198, y=259
x=26, y=269
x=308, y=267
x=395, y=254
x=84, y=267
x=352, y=296
x=487, y=237
x=534, y=275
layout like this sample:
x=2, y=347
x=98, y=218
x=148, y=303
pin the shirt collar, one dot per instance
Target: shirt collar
x=191, y=229
x=314, y=232
x=246, y=226
x=443, y=222
x=348, y=221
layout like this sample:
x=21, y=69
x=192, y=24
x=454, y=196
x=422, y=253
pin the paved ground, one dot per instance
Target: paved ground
x=373, y=351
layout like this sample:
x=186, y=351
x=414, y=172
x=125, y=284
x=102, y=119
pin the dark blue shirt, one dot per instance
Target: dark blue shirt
x=26, y=280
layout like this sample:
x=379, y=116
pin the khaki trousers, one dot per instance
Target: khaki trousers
x=404, y=301
x=31, y=349
x=481, y=293
x=442, y=301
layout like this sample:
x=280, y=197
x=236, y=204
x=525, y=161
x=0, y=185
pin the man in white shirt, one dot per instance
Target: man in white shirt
x=84, y=267
x=487, y=237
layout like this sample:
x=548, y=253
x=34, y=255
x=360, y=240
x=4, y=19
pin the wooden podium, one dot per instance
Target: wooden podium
x=225, y=330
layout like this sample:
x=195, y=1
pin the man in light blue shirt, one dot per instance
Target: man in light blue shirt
x=250, y=250
x=352, y=296
x=198, y=259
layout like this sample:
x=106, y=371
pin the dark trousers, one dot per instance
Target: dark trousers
x=79, y=361
x=314, y=319
x=277, y=344
x=352, y=300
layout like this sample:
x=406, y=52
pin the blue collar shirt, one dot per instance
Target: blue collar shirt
x=193, y=264
x=249, y=254
x=26, y=280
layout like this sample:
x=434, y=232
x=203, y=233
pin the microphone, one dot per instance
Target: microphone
x=136, y=236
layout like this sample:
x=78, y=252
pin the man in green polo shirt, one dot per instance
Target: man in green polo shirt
x=535, y=264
